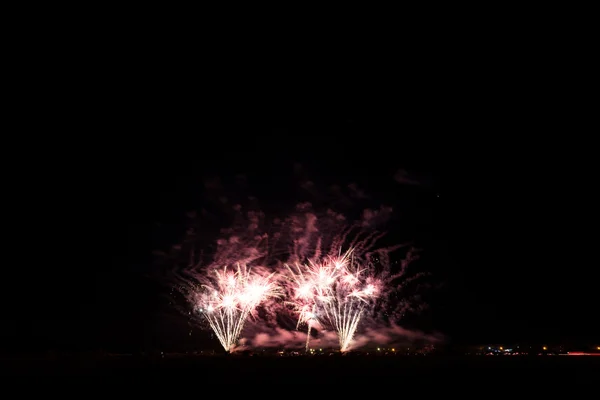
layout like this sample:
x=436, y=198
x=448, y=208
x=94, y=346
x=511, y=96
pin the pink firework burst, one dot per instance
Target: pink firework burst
x=310, y=285
x=339, y=290
x=336, y=288
x=226, y=297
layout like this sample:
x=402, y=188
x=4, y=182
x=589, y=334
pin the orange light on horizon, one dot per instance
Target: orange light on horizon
x=545, y=348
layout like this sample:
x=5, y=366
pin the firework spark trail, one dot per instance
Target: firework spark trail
x=340, y=288
x=227, y=298
x=309, y=323
x=352, y=291
x=336, y=286
x=310, y=285
x=303, y=298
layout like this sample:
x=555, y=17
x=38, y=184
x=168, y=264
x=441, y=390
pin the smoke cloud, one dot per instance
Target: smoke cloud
x=374, y=335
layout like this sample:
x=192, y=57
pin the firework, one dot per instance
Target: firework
x=339, y=288
x=310, y=285
x=228, y=296
x=352, y=291
x=326, y=286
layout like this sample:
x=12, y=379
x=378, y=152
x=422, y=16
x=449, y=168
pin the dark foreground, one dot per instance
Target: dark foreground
x=473, y=371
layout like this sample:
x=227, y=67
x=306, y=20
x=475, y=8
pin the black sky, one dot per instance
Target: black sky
x=509, y=233
x=512, y=232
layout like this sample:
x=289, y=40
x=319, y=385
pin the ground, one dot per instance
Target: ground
x=479, y=372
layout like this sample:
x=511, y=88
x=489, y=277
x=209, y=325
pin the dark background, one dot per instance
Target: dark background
x=512, y=232
x=508, y=233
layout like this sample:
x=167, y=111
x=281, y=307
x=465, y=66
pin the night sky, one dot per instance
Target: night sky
x=503, y=218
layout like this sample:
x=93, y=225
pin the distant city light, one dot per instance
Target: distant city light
x=545, y=348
